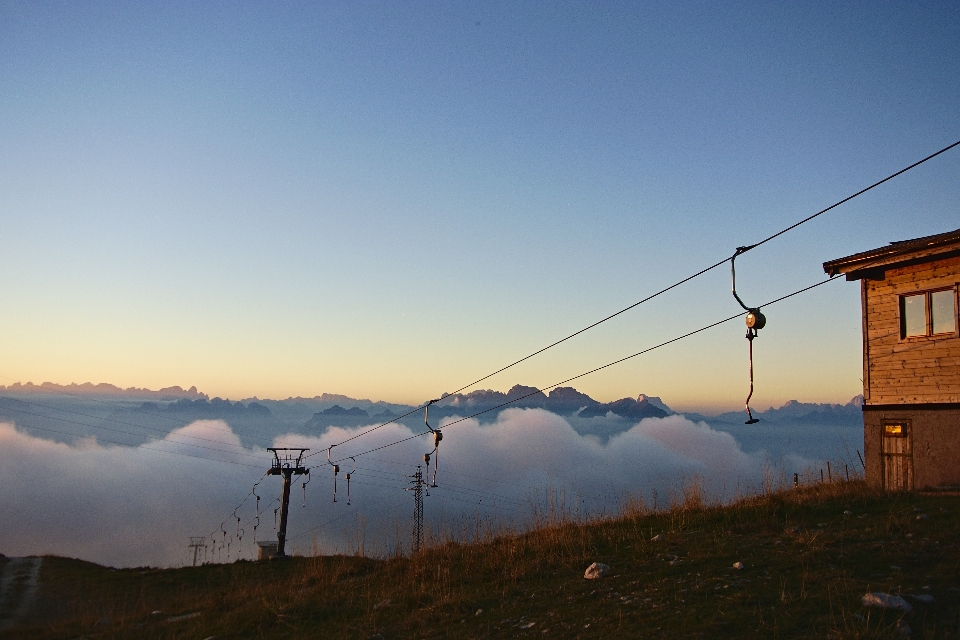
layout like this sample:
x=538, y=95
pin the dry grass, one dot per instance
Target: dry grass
x=807, y=563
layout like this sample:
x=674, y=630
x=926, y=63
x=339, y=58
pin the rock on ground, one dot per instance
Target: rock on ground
x=886, y=601
x=596, y=570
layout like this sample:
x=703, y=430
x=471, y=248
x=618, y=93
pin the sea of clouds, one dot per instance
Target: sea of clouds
x=136, y=506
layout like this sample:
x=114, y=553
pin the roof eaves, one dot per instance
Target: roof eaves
x=900, y=251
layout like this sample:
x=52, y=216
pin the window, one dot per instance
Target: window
x=913, y=315
x=928, y=313
x=942, y=312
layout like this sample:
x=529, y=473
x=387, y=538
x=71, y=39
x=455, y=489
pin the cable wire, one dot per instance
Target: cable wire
x=711, y=267
x=600, y=368
x=740, y=251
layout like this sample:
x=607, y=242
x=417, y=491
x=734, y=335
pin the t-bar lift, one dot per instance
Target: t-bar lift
x=286, y=463
x=755, y=321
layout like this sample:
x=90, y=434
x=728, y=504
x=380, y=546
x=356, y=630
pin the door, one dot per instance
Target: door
x=897, y=456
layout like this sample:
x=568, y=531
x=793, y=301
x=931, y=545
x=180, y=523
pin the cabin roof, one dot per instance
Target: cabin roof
x=897, y=253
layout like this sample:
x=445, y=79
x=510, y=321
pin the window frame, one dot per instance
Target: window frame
x=928, y=313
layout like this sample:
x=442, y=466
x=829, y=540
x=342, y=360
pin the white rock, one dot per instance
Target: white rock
x=738, y=565
x=886, y=601
x=657, y=538
x=596, y=570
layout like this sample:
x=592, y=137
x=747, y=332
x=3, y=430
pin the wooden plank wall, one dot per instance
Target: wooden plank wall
x=912, y=370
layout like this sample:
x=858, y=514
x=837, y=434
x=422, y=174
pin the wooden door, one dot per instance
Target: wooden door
x=897, y=456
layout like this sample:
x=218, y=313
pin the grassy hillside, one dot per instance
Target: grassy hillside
x=808, y=554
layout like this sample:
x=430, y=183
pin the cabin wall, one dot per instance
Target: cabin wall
x=912, y=370
x=935, y=444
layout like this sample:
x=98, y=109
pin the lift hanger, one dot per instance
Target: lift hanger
x=303, y=486
x=437, y=437
x=755, y=321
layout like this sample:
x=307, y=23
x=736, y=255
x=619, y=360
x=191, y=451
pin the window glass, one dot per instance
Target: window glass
x=942, y=308
x=913, y=315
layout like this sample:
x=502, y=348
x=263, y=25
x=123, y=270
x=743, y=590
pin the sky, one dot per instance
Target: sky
x=390, y=200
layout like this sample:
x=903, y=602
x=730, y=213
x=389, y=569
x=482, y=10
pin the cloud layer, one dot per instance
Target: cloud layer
x=130, y=506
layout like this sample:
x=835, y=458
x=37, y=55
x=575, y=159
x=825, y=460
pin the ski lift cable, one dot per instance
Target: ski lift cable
x=481, y=504
x=451, y=487
x=340, y=517
x=253, y=492
x=714, y=266
x=453, y=473
x=740, y=251
x=460, y=489
x=600, y=368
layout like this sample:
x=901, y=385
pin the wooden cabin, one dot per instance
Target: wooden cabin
x=911, y=361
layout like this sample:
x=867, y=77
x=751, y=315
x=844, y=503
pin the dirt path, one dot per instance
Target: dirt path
x=18, y=588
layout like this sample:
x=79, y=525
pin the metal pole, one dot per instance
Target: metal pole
x=417, y=488
x=286, y=465
x=195, y=544
x=418, y=508
x=284, y=508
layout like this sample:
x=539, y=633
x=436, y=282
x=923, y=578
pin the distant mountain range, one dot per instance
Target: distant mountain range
x=793, y=411
x=210, y=409
x=562, y=400
x=104, y=389
x=262, y=419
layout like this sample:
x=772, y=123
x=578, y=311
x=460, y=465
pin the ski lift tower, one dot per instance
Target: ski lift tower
x=286, y=463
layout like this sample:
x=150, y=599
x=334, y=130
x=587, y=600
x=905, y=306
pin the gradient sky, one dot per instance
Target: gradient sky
x=389, y=200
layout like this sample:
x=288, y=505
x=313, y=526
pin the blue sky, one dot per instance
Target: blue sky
x=389, y=200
